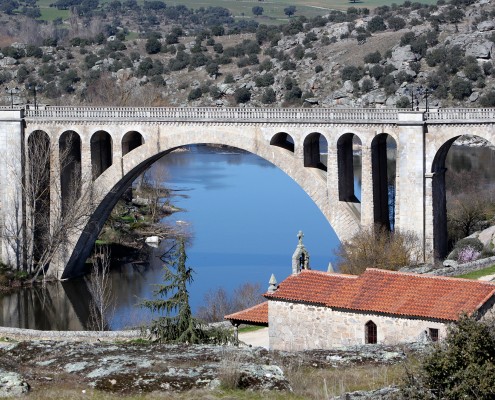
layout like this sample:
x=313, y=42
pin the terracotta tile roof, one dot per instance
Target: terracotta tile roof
x=388, y=292
x=257, y=315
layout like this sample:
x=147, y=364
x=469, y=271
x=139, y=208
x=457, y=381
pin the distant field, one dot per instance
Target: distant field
x=273, y=11
x=275, y=8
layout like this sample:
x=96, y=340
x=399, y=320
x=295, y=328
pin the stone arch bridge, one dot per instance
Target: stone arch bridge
x=113, y=146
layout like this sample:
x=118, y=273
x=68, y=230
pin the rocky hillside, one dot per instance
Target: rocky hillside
x=388, y=57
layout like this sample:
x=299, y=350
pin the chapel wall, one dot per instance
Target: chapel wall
x=295, y=327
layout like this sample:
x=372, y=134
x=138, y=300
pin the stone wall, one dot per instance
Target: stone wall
x=70, y=336
x=295, y=327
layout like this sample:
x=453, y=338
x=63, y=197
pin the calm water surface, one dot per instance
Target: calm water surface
x=243, y=214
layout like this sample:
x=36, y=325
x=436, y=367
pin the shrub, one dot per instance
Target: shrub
x=264, y=80
x=318, y=69
x=460, y=88
x=396, y=23
x=467, y=254
x=288, y=65
x=366, y=85
x=378, y=248
x=403, y=102
x=373, y=58
x=269, y=96
x=229, y=78
x=461, y=367
x=376, y=24
x=352, y=73
x=195, y=94
x=469, y=242
x=242, y=95
x=488, y=99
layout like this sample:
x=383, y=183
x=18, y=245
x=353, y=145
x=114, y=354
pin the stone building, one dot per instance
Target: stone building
x=323, y=310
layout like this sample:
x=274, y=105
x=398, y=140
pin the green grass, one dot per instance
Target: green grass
x=273, y=11
x=478, y=274
x=250, y=328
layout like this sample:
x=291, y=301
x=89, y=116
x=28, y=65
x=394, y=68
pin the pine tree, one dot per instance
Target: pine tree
x=178, y=324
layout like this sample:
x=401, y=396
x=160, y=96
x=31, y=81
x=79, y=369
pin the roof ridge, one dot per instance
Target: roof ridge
x=325, y=273
x=437, y=277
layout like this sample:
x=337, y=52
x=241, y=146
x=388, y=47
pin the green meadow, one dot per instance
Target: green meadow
x=273, y=11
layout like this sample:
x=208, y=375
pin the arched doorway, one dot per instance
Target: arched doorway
x=70, y=168
x=101, y=152
x=384, y=154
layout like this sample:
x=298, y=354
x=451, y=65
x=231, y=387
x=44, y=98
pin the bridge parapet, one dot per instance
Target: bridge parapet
x=212, y=114
x=461, y=115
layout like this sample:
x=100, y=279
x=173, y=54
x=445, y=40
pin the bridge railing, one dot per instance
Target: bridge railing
x=461, y=115
x=190, y=114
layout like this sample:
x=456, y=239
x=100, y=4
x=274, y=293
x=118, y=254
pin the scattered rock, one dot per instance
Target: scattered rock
x=486, y=26
x=12, y=384
x=311, y=100
x=386, y=393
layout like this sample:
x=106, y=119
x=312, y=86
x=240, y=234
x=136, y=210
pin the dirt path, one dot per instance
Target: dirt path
x=258, y=338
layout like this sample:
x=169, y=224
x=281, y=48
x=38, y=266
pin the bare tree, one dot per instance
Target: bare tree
x=51, y=215
x=378, y=248
x=218, y=303
x=102, y=305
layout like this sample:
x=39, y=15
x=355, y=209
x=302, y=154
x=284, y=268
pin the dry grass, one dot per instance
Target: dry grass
x=313, y=383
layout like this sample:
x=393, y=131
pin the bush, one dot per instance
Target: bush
x=378, y=248
x=366, y=85
x=373, y=58
x=195, y=94
x=376, y=24
x=264, y=80
x=352, y=73
x=269, y=96
x=403, y=102
x=460, y=88
x=461, y=367
x=474, y=243
x=396, y=23
x=488, y=99
x=318, y=69
x=242, y=95
x=467, y=254
x=229, y=78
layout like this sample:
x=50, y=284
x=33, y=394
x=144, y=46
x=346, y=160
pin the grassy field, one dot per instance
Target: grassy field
x=273, y=10
x=478, y=274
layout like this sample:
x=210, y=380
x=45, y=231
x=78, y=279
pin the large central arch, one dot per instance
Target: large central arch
x=113, y=182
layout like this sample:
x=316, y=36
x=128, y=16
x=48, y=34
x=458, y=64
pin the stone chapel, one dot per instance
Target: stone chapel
x=323, y=310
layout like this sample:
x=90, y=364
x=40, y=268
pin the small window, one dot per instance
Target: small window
x=370, y=336
x=433, y=334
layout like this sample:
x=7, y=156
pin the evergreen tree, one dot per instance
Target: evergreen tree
x=177, y=325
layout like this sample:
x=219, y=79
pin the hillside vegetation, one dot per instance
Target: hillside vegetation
x=127, y=54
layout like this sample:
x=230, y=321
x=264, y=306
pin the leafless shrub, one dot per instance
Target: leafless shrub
x=378, y=248
x=218, y=303
x=102, y=305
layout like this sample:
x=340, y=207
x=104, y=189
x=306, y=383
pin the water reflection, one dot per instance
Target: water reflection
x=244, y=215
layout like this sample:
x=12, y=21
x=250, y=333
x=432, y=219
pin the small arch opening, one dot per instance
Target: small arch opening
x=383, y=160
x=349, y=167
x=284, y=140
x=101, y=152
x=38, y=193
x=316, y=151
x=370, y=333
x=70, y=168
x=131, y=141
